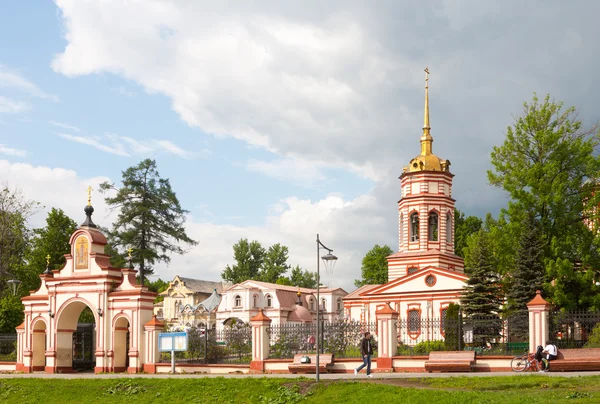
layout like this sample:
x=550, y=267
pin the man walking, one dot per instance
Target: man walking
x=366, y=350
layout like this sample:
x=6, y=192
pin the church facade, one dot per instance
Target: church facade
x=425, y=275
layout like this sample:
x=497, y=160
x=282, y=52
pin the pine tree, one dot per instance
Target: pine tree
x=151, y=220
x=528, y=275
x=481, y=300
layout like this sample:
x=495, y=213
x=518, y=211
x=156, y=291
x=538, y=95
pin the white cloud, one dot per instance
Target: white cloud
x=297, y=170
x=9, y=106
x=123, y=91
x=96, y=143
x=12, y=152
x=11, y=79
x=64, y=126
x=342, y=225
x=126, y=146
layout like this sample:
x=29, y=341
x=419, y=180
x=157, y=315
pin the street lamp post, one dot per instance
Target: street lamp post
x=329, y=262
x=14, y=285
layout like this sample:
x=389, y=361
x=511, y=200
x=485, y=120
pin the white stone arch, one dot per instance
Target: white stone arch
x=67, y=318
x=121, y=342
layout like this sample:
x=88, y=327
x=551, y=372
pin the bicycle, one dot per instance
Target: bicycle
x=524, y=362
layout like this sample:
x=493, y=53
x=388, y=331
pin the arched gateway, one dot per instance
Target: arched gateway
x=121, y=308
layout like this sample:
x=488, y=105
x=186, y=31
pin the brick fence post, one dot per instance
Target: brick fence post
x=387, y=320
x=151, y=330
x=260, y=341
x=539, y=325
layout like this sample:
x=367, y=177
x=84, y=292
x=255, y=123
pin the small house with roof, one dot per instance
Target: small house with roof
x=189, y=303
x=281, y=303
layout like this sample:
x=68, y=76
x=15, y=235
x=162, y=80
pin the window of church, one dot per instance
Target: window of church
x=237, y=301
x=312, y=304
x=255, y=301
x=414, y=321
x=433, y=226
x=443, y=319
x=414, y=227
x=430, y=280
x=269, y=301
x=448, y=227
x=412, y=270
x=323, y=304
x=339, y=304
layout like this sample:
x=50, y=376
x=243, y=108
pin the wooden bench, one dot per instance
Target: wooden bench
x=325, y=363
x=450, y=361
x=576, y=359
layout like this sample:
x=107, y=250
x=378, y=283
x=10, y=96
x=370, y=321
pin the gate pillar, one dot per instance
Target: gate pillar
x=539, y=325
x=260, y=341
x=387, y=333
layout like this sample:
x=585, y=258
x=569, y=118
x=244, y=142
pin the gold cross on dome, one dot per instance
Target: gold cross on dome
x=89, y=192
x=426, y=76
x=129, y=251
x=48, y=260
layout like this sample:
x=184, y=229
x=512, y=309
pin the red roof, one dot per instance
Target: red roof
x=260, y=317
x=386, y=309
x=154, y=322
x=538, y=300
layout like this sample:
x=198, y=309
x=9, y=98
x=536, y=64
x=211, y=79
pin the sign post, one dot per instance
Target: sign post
x=172, y=342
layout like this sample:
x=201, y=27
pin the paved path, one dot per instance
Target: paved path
x=334, y=376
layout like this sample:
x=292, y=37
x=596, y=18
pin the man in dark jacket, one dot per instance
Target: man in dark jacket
x=366, y=350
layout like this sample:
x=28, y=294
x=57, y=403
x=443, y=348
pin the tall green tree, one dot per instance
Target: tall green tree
x=482, y=292
x=545, y=165
x=463, y=228
x=481, y=301
x=374, y=266
x=299, y=277
x=274, y=264
x=528, y=274
x=249, y=258
x=15, y=235
x=11, y=313
x=51, y=240
x=150, y=220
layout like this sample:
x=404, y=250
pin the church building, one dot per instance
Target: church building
x=425, y=275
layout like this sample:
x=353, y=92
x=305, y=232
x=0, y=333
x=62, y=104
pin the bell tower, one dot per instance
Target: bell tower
x=426, y=211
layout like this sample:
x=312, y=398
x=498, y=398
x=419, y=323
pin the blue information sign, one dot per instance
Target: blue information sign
x=172, y=341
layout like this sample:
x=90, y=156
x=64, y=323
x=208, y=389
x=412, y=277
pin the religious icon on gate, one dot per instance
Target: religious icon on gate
x=81, y=253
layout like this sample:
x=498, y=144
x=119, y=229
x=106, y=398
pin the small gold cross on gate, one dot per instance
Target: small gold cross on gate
x=48, y=260
x=89, y=192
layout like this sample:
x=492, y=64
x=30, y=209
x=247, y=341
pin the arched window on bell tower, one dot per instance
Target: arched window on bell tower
x=448, y=228
x=432, y=226
x=414, y=227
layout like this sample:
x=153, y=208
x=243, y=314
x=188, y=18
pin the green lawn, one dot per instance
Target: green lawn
x=513, y=389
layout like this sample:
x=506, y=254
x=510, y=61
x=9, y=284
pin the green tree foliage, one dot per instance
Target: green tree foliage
x=374, y=266
x=158, y=286
x=11, y=313
x=463, y=228
x=544, y=165
x=481, y=296
x=249, y=257
x=528, y=274
x=150, y=221
x=15, y=236
x=451, y=328
x=301, y=278
x=274, y=264
x=51, y=240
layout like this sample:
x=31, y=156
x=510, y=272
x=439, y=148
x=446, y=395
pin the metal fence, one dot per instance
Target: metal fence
x=231, y=345
x=341, y=338
x=8, y=347
x=487, y=335
x=572, y=329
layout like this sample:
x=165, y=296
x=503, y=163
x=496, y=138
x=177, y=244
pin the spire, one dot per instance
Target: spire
x=426, y=139
x=89, y=210
x=298, y=298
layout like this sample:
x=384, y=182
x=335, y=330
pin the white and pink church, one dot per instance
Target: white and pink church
x=425, y=275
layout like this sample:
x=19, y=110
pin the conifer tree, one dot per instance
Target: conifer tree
x=481, y=300
x=151, y=220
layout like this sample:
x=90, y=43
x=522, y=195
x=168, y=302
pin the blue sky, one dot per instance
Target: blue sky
x=276, y=121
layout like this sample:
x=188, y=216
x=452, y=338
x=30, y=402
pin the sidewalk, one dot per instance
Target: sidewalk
x=326, y=376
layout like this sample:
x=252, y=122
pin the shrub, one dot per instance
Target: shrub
x=424, y=347
x=594, y=338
